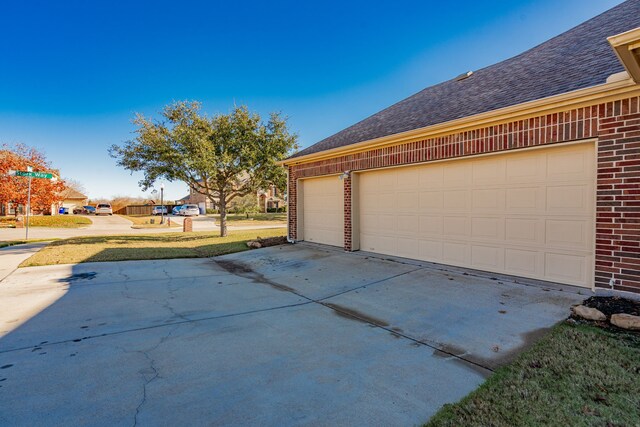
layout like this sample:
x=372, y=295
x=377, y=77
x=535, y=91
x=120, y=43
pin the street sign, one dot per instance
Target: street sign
x=33, y=174
x=29, y=173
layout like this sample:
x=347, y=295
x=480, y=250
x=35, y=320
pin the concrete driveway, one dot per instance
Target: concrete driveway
x=288, y=335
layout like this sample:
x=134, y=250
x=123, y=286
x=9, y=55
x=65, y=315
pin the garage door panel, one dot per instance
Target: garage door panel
x=569, y=164
x=387, y=182
x=431, y=250
x=487, y=257
x=409, y=180
x=406, y=202
x=456, y=200
x=368, y=201
x=528, y=213
x=431, y=225
x=432, y=177
x=566, y=267
x=524, y=231
x=407, y=247
x=570, y=234
x=524, y=199
x=456, y=174
x=387, y=224
x=488, y=171
x=408, y=224
x=431, y=201
x=568, y=199
x=487, y=199
x=487, y=228
x=368, y=223
x=522, y=262
x=387, y=203
x=525, y=169
x=456, y=226
x=323, y=210
x=369, y=242
x=456, y=253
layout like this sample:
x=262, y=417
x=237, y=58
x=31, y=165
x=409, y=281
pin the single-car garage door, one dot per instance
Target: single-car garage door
x=529, y=213
x=323, y=210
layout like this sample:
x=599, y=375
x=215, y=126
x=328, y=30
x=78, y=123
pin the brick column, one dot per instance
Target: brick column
x=347, y=213
x=292, y=205
x=618, y=196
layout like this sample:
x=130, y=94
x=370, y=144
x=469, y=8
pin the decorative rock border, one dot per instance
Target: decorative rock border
x=626, y=321
x=621, y=320
x=589, y=313
x=266, y=242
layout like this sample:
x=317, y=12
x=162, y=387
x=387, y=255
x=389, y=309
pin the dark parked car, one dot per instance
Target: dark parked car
x=176, y=210
x=84, y=210
x=63, y=211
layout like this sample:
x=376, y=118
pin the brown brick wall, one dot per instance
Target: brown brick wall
x=347, y=213
x=615, y=124
x=618, y=196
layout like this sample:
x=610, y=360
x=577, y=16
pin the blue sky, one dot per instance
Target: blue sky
x=73, y=73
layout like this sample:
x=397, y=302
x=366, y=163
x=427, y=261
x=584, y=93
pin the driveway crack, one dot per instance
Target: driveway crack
x=155, y=373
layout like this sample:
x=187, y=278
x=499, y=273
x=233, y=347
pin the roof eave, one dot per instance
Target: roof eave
x=600, y=93
x=627, y=46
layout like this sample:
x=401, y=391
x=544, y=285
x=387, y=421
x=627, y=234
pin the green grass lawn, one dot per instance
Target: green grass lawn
x=139, y=247
x=577, y=375
x=52, y=221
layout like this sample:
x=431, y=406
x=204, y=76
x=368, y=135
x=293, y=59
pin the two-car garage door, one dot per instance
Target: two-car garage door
x=528, y=214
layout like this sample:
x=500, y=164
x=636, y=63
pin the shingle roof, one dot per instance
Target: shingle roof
x=576, y=59
x=70, y=193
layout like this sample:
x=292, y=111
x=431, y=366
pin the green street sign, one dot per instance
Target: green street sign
x=34, y=174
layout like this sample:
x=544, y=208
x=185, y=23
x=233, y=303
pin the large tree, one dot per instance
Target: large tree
x=222, y=156
x=14, y=189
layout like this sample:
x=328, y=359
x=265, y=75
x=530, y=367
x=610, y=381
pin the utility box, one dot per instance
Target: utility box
x=187, y=225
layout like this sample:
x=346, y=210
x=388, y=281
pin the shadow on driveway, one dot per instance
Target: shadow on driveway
x=285, y=335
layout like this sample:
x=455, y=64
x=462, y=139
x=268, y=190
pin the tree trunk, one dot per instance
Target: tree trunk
x=223, y=215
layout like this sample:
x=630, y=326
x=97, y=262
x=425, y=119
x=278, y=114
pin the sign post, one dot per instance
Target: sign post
x=29, y=173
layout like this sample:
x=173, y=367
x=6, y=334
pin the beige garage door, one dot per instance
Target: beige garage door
x=528, y=214
x=323, y=210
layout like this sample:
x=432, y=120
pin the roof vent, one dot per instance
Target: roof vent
x=618, y=77
x=464, y=76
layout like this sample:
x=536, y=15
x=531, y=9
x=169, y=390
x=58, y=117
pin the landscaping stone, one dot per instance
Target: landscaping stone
x=254, y=244
x=626, y=321
x=589, y=313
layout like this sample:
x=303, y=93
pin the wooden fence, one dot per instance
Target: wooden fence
x=139, y=210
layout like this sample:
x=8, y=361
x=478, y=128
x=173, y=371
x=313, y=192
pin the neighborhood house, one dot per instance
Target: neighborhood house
x=529, y=167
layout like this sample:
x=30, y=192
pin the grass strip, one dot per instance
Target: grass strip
x=577, y=375
x=144, y=247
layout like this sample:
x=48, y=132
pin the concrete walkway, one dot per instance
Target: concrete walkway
x=12, y=256
x=287, y=335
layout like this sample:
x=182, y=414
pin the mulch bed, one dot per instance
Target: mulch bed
x=609, y=306
x=613, y=305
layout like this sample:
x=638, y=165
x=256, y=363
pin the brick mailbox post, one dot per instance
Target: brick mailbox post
x=187, y=225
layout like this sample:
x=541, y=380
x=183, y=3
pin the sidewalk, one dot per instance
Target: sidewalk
x=12, y=256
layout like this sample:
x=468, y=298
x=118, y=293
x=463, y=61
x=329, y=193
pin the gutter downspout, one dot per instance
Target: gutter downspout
x=289, y=239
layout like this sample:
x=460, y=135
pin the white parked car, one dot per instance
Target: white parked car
x=189, y=210
x=104, y=209
x=159, y=210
